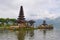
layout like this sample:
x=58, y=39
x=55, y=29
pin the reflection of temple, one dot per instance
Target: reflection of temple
x=44, y=32
x=30, y=34
x=21, y=20
x=21, y=35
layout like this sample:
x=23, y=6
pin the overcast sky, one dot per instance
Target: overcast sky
x=33, y=9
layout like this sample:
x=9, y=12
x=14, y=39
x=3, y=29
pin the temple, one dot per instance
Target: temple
x=29, y=24
x=44, y=23
x=21, y=20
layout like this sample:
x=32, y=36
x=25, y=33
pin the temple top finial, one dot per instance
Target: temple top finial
x=21, y=13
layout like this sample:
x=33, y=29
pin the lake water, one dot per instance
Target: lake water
x=30, y=35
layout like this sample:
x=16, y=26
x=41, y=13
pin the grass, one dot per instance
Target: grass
x=14, y=29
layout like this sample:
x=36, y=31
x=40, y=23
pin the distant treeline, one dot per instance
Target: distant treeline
x=7, y=21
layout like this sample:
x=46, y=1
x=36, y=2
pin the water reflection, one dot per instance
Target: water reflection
x=22, y=34
x=45, y=34
x=30, y=35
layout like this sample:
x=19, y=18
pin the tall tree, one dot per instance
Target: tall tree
x=31, y=22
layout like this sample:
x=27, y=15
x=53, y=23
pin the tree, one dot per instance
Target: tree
x=31, y=22
x=7, y=21
x=2, y=20
x=13, y=21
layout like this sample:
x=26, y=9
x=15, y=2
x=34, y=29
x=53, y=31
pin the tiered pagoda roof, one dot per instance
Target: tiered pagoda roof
x=21, y=18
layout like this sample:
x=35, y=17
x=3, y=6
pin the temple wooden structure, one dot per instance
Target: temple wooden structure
x=44, y=25
x=21, y=20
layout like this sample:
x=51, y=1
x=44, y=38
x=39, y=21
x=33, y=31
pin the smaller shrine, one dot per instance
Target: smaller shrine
x=44, y=25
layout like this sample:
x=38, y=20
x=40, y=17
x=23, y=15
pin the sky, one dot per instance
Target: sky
x=33, y=9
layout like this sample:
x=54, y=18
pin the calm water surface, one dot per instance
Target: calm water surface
x=30, y=35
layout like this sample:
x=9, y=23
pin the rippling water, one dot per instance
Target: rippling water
x=30, y=35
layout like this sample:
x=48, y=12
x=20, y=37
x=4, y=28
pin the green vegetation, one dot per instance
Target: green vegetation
x=31, y=22
x=7, y=22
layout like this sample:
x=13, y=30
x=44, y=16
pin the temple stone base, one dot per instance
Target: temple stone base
x=22, y=25
x=45, y=27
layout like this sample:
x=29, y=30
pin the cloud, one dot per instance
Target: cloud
x=33, y=9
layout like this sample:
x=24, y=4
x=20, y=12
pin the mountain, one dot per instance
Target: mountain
x=55, y=22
